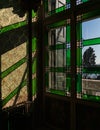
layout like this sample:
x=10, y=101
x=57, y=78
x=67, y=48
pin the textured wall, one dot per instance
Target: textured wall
x=13, y=40
x=10, y=13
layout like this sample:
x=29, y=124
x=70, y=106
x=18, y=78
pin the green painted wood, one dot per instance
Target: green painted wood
x=34, y=88
x=93, y=41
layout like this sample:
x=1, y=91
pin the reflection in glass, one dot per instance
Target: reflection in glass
x=58, y=70
x=57, y=58
x=54, y=4
x=80, y=1
x=58, y=36
x=57, y=81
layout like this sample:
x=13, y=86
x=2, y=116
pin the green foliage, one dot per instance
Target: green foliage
x=89, y=57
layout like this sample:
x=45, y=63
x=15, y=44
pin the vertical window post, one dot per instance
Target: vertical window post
x=29, y=51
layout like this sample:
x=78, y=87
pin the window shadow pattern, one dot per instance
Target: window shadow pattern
x=13, y=36
x=16, y=4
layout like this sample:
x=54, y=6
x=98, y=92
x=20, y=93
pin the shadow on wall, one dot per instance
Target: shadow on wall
x=11, y=36
x=13, y=33
x=17, y=8
x=20, y=6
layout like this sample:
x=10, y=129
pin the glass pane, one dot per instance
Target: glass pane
x=91, y=73
x=88, y=59
x=91, y=55
x=57, y=58
x=58, y=67
x=56, y=6
x=80, y=1
x=57, y=81
x=91, y=29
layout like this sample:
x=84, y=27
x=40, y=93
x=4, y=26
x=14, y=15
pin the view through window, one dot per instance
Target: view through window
x=91, y=57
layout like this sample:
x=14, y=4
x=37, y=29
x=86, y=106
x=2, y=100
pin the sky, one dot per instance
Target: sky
x=91, y=29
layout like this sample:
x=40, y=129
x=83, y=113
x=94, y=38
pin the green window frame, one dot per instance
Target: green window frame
x=74, y=67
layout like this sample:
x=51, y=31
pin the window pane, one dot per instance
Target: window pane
x=57, y=81
x=58, y=67
x=56, y=6
x=88, y=59
x=91, y=29
x=80, y=1
x=91, y=70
